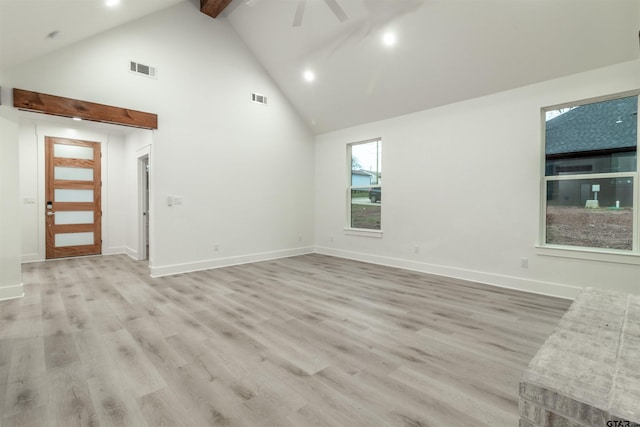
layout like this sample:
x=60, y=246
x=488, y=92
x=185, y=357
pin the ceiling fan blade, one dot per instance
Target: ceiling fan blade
x=297, y=19
x=337, y=10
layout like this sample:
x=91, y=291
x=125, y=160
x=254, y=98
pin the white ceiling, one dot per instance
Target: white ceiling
x=446, y=51
x=25, y=24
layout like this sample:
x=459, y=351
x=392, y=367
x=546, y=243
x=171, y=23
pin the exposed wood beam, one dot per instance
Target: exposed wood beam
x=68, y=107
x=213, y=7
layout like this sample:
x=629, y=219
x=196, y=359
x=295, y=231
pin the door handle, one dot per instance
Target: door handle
x=50, y=213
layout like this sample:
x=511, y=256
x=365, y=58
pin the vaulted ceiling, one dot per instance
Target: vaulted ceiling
x=443, y=51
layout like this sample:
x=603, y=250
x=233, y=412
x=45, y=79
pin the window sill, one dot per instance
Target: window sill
x=601, y=255
x=363, y=232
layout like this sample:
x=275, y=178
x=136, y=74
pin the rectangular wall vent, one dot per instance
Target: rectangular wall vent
x=260, y=99
x=145, y=70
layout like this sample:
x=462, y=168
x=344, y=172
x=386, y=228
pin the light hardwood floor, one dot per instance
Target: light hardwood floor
x=303, y=341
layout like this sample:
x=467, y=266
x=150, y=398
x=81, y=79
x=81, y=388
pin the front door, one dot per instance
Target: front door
x=73, y=212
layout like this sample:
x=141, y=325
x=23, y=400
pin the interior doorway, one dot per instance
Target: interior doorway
x=143, y=196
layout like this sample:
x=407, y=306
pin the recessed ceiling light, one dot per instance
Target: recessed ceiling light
x=112, y=3
x=309, y=75
x=389, y=39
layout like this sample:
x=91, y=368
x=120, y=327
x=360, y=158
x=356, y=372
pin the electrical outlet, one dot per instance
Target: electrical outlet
x=524, y=262
x=330, y=239
x=216, y=248
x=299, y=238
x=416, y=249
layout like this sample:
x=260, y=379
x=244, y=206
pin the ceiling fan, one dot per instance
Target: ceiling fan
x=335, y=7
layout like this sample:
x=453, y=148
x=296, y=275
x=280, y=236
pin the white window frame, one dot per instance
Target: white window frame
x=582, y=252
x=364, y=232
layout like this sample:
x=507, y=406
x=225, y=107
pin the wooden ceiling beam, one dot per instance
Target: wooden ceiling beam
x=213, y=8
x=68, y=107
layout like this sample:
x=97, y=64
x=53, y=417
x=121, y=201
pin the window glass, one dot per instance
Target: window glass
x=600, y=137
x=365, y=185
x=607, y=224
x=590, y=174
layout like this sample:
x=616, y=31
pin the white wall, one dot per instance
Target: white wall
x=10, y=272
x=247, y=176
x=32, y=183
x=244, y=170
x=114, y=187
x=463, y=183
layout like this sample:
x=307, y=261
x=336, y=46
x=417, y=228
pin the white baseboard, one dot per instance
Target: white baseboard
x=115, y=250
x=11, y=292
x=26, y=258
x=168, y=270
x=132, y=253
x=502, y=281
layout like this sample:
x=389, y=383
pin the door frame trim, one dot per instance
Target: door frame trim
x=141, y=153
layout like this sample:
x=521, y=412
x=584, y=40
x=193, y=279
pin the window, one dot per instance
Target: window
x=365, y=185
x=591, y=174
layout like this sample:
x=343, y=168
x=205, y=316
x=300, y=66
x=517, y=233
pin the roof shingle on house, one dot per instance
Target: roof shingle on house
x=607, y=125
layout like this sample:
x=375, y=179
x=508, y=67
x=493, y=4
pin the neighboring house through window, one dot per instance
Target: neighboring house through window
x=365, y=185
x=591, y=175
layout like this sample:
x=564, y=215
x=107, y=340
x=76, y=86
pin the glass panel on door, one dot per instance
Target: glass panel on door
x=73, y=174
x=73, y=217
x=72, y=152
x=79, y=196
x=73, y=239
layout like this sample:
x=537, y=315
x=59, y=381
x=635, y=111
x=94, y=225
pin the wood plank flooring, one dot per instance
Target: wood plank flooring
x=303, y=341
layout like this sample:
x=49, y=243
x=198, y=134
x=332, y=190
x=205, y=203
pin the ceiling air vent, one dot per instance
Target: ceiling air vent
x=260, y=99
x=145, y=70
